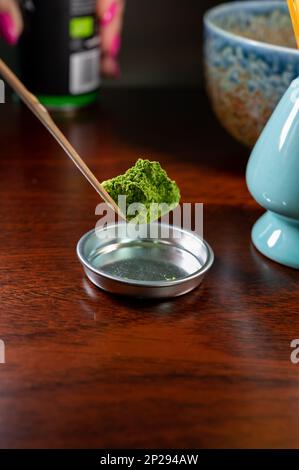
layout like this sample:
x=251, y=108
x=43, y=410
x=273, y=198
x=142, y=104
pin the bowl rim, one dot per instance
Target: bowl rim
x=132, y=282
x=246, y=5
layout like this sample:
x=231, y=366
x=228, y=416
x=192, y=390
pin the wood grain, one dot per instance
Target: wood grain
x=85, y=369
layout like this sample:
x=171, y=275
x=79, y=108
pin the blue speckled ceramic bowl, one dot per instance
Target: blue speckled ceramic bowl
x=250, y=60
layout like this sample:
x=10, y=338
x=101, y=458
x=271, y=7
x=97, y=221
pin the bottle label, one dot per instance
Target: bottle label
x=84, y=60
x=84, y=71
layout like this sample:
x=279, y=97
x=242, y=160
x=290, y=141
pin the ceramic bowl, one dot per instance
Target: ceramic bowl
x=250, y=60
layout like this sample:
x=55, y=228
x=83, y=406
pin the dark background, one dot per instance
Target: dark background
x=162, y=43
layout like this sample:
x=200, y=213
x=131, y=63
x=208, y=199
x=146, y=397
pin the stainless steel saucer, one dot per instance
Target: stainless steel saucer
x=169, y=263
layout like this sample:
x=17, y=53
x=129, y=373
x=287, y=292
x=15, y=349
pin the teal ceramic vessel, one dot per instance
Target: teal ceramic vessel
x=273, y=180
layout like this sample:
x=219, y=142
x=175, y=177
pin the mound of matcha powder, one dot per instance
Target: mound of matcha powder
x=146, y=183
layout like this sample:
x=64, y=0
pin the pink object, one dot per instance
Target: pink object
x=7, y=29
x=115, y=46
x=109, y=14
x=110, y=67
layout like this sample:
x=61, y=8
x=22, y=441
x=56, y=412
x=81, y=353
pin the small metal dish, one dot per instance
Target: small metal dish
x=145, y=266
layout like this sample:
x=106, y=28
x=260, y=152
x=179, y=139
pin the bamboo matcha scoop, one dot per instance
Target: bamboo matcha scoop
x=146, y=184
x=42, y=114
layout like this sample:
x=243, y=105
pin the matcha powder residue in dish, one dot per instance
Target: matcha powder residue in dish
x=148, y=184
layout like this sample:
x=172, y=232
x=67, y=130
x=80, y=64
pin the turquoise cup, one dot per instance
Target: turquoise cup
x=273, y=180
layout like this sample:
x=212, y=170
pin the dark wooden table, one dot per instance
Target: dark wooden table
x=86, y=369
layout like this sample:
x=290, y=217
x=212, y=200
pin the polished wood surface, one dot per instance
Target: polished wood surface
x=87, y=369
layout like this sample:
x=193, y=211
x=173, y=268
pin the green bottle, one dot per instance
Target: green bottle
x=59, y=52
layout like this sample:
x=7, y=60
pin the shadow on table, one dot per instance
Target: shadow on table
x=177, y=122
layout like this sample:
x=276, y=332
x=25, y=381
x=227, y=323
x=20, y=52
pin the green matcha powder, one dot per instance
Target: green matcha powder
x=148, y=184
